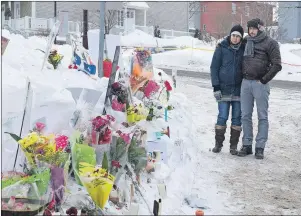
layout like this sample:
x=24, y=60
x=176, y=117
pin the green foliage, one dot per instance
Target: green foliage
x=137, y=156
x=105, y=162
x=14, y=136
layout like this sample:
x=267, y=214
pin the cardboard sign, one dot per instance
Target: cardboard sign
x=4, y=43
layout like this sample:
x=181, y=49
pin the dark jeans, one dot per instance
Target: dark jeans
x=224, y=109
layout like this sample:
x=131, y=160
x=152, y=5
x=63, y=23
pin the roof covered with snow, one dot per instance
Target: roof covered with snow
x=138, y=5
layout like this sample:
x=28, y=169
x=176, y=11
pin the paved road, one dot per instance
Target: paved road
x=290, y=85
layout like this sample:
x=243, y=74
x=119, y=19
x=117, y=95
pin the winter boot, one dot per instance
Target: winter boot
x=219, y=138
x=234, y=139
x=259, y=153
x=245, y=150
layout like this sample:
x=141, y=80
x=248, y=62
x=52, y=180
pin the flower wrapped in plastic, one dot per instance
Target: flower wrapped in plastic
x=81, y=153
x=136, y=113
x=119, y=89
x=117, y=106
x=97, y=182
x=151, y=88
x=101, y=132
x=30, y=186
x=35, y=144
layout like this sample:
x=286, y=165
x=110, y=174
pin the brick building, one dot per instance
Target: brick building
x=217, y=18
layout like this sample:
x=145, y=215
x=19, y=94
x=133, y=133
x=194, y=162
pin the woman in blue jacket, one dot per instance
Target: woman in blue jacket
x=226, y=78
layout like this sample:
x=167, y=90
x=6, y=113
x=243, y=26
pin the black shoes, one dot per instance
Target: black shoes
x=259, y=153
x=247, y=150
x=244, y=151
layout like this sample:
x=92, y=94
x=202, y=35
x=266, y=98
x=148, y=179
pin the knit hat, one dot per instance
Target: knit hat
x=238, y=30
x=255, y=23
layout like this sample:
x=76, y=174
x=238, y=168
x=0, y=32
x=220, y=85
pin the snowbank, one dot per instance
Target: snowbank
x=51, y=101
x=54, y=104
x=199, y=60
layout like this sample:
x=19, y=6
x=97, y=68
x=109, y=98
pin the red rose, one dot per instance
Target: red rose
x=167, y=86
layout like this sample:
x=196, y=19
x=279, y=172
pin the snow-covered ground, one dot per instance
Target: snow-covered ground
x=246, y=185
x=222, y=183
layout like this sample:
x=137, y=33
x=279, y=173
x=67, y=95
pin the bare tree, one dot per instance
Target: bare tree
x=265, y=11
x=111, y=20
x=224, y=23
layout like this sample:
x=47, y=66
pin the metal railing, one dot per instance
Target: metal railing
x=32, y=26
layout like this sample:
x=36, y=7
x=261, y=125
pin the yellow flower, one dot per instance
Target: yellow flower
x=50, y=148
x=29, y=140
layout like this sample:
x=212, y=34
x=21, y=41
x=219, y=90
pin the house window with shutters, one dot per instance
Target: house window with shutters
x=120, y=18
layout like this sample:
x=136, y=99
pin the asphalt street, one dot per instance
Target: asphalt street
x=289, y=85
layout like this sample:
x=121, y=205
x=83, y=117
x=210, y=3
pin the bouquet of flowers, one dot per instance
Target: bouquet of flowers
x=136, y=113
x=48, y=151
x=101, y=132
x=97, y=181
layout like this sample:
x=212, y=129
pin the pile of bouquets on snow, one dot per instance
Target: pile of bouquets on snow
x=100, y=152
x=45, y=173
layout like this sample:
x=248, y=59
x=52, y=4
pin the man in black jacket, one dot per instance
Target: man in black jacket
x=261, y=63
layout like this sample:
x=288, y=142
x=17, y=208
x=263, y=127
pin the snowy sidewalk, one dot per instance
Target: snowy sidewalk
x=233, y=185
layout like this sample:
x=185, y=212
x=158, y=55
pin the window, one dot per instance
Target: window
x=130, y=14
x=120, y=17
x=233, y=8
x=204, y=27
x=247, y=10
x=205, y=8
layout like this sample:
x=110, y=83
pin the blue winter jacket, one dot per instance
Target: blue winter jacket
x=226, y=69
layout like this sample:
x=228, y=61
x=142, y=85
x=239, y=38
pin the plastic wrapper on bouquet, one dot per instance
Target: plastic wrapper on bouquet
x=25, y=193
x=98, y=183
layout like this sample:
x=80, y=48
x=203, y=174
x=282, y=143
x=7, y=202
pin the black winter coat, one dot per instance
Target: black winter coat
x=266, y=62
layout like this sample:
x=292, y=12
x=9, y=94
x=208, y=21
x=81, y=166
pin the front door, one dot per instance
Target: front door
x=130, y=21
x=17, y=10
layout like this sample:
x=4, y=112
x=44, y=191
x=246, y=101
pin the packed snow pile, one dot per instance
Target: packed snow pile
x=140, y=38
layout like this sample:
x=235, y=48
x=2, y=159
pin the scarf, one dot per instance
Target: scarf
x=249, y=50
x=235, y=46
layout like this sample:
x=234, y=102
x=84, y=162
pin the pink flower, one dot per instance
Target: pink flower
x=98, y=122
x=115, y=164
x=151, y=88
x=61, y=142
x=117, y=106
x=126, y=137
x=167, y=86
x=40, y=126
x=107, y=137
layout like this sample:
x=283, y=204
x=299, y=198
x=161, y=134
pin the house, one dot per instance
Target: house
x=167, y=15
x=172, y=17
x=38, y=10
x=217, y=18
x=289, y=20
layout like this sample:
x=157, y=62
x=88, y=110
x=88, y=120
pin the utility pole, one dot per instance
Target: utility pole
x=85, y=29
x=55, y=19
x=101, y=38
